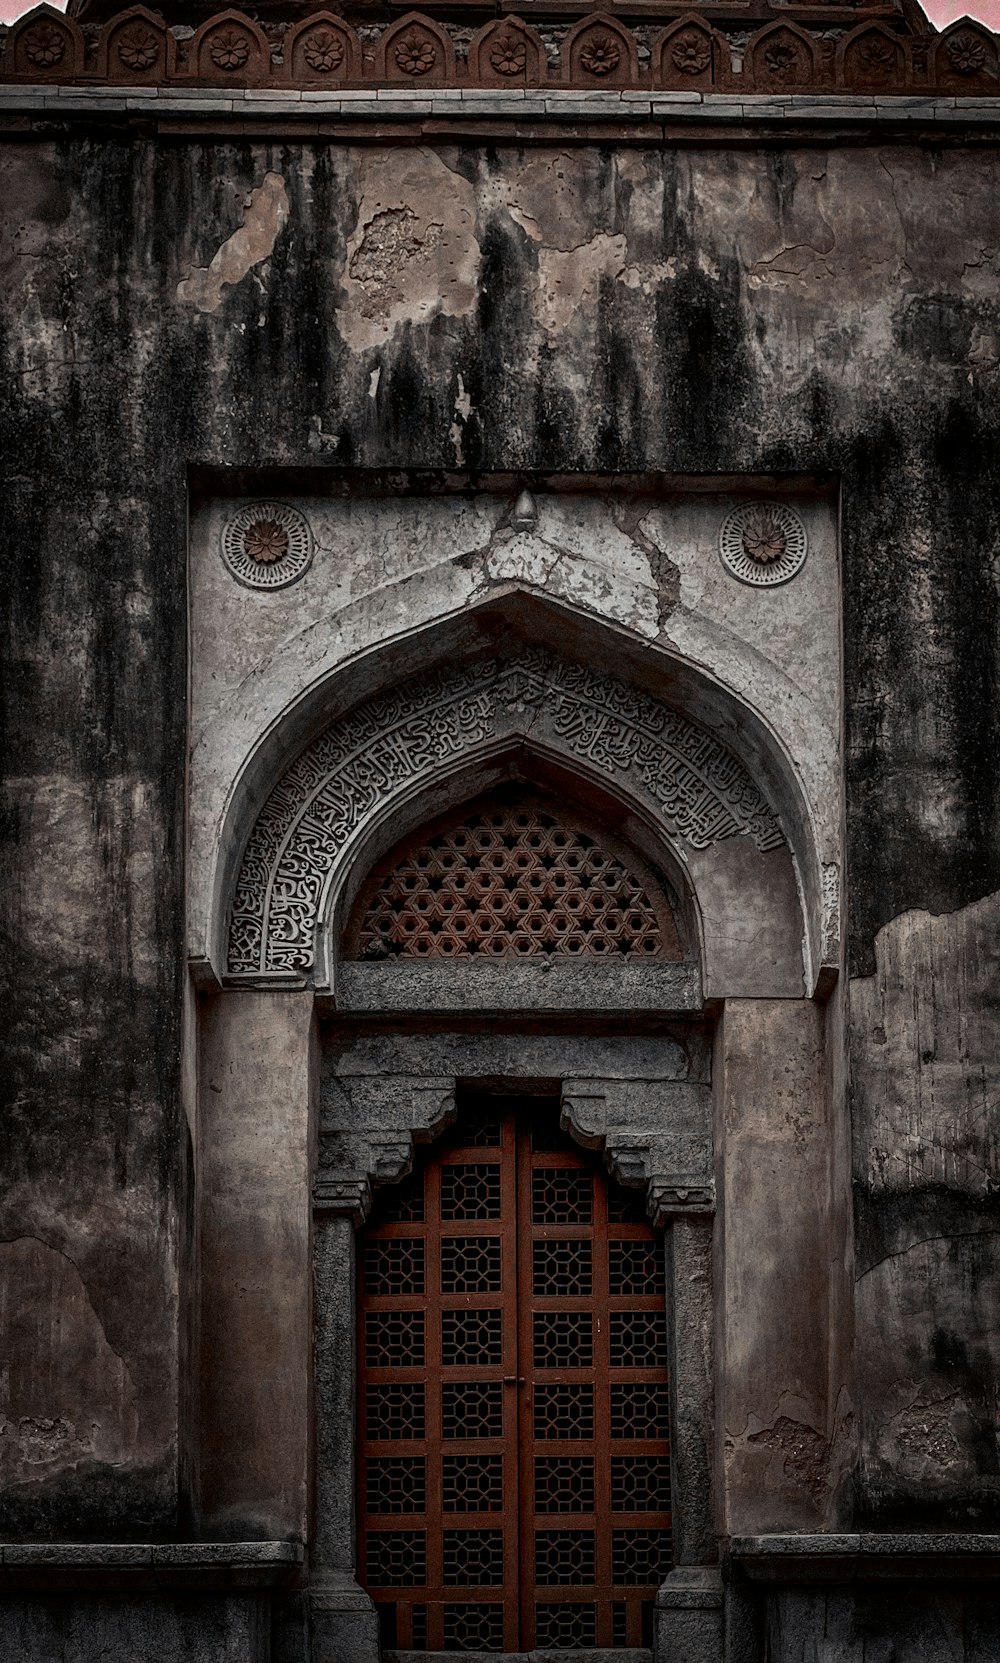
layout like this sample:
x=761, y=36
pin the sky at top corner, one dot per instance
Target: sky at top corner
x=940, y=12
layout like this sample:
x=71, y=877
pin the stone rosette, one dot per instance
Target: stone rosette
x=267, y=545
x=763, y=543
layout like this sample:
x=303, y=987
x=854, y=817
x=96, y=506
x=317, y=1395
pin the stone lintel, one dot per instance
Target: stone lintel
x=536, y=987
x=545, y=105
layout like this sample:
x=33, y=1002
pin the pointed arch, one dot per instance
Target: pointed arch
x=230, y=49
x=320, y=50
x=599, y=51
x=136, y=48
x=965, y=55
x=439, y=737
x=44, y=45
x=507, y=52
x=872, y=58
x=688, y=54
x=415, y=51
x=782, y=56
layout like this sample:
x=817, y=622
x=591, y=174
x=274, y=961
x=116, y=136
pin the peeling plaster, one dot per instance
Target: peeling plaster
x=463, y=410
x=925, y=1042
x=924, y=1432
x=265, y=214
x=801, y=1449
x=931, y=1076
x=413, y=254
x=318, y=441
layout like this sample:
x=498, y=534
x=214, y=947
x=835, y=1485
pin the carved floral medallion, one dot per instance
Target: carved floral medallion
x=782, y=61
x=323, y=51
x=691, y=55
x=601, y=55
x=45, y=45
x=877, y=57
x=416, y=55
x=966, y=54
x=230, y=49
x=267, y=545
x=138, y=47
x=508, y=54
x=763, y=543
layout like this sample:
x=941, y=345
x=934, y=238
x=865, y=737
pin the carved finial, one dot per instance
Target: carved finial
x=525, y=512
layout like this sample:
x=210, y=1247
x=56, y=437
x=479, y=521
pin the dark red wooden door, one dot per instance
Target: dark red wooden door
x=514, y=1461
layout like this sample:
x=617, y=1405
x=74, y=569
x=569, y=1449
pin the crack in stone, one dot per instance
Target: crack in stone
x=924, y=1241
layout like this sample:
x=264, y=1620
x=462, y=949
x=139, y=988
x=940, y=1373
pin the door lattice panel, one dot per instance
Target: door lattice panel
x=514, y=1473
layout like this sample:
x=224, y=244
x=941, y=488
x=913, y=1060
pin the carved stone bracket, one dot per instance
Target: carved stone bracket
x=679, y=1198
x=653, y=1132
x=343, y=1194
x=368, y=1133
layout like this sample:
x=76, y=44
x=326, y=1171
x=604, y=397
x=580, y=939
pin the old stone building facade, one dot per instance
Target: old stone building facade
x=501, y=857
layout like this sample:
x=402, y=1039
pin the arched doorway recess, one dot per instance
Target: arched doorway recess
x=354, y=1055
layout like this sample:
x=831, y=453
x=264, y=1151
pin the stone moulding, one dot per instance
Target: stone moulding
x=868, y=1557
x=152, y=1566
x=823, y=48
x=396, y=741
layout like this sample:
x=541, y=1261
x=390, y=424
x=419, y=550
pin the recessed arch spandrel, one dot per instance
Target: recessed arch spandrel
x=679, y=775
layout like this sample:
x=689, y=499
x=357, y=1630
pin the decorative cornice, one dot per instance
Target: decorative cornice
x=800, y=50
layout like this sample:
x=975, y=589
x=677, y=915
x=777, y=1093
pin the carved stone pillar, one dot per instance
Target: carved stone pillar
x=343, y=1620
x=256, y=1132
x=688, y=1625
x=367, y=1134
x=691, y=1317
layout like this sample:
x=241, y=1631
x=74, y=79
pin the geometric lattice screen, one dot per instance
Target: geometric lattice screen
x=514, y=880
x=514, y=1471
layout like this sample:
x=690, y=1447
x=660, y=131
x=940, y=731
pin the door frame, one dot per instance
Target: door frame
x=351, y=1161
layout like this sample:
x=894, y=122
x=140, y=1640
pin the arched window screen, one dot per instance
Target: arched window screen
x=514, y=879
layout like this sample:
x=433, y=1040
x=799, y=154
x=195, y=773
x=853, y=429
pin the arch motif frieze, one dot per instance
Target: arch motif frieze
x=699, y=787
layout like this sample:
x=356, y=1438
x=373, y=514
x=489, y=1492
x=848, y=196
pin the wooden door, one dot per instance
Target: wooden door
x=514, y=1461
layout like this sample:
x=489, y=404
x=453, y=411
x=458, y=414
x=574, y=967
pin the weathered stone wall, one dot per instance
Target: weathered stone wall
x=696, y=310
